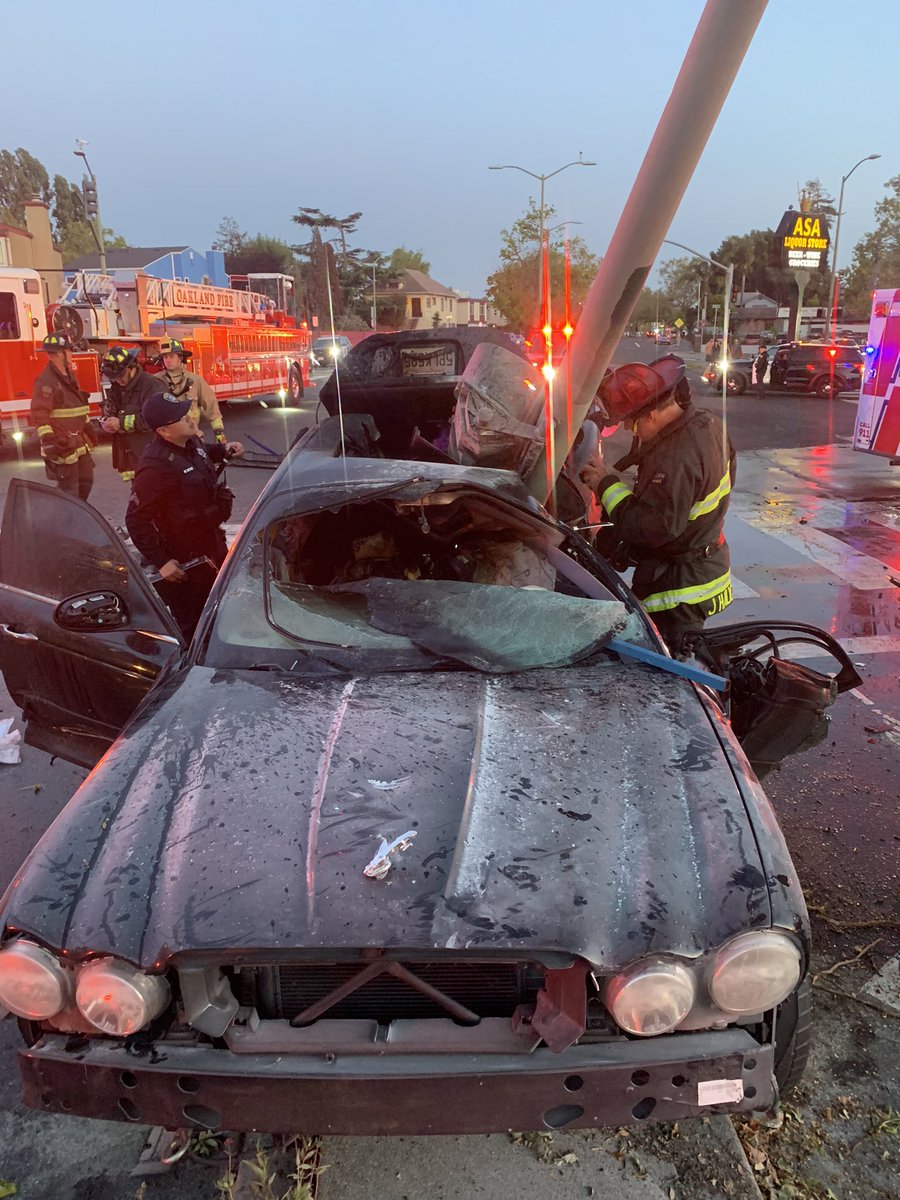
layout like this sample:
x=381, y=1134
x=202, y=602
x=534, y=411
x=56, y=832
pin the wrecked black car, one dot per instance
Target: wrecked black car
x=423, y=833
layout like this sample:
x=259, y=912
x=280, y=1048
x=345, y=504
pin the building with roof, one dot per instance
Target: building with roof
x=33, y=247
x=163, y=262
x=425, y=302
x=478, y=310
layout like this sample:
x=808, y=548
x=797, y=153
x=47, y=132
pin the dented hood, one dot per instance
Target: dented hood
x=589, y=811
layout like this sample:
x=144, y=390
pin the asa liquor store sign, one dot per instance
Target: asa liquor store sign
x=803, y=240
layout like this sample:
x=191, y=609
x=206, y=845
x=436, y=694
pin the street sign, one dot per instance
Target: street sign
x=802, y=239
x=679, y=322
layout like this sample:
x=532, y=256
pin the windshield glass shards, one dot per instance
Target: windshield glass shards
x=487, y=628
x=452, y=577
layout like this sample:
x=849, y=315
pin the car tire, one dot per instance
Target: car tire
x=793, y=1037
x=295, y=384
x=737, y=384
x=822, y=387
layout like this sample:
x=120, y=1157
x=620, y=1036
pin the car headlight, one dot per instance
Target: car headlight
x=333, y=351
x=754, y=972
x=33, y=983
x=651, y=997
x=118, y=998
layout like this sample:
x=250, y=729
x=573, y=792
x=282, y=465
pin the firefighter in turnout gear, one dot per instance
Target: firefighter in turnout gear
x=177, y=507
x=59, y=409
x=182, y=383
x=669, y=525
x=129, y=388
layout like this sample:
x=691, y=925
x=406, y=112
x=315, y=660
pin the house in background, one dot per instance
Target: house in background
x=163, y=262
x=33, y=247
x=423, y=302
x=478, y=311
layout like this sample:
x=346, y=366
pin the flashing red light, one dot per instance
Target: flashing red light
x=547, y=331
x=568, y=330
x=832, y=352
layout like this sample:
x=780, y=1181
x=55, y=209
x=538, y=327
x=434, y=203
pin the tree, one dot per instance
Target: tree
x=260, y=253
x=819, y=200
x=515, y=286
x=403, y=259
x=876, y=257
x=68, y=205
x=678, y=282
x=229, y=237
x=22, y=177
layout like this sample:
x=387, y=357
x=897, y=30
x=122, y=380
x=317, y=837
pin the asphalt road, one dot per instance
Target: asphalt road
x=815, y=533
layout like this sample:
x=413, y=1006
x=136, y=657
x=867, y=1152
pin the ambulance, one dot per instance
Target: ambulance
x=878, y=415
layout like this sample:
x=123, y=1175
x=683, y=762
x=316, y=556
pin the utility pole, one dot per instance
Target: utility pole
x=710, y=65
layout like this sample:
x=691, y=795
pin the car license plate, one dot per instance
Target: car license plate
x=433, y=360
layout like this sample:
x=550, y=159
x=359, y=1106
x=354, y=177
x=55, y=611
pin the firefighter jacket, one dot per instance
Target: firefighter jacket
x=670, y=524
x=133, y=435
x=174, y=510
x=60, y=408
x=202, y=397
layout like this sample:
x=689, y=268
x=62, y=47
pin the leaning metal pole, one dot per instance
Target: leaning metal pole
x=712, y=61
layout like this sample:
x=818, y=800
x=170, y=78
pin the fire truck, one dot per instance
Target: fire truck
x=878, y=414
x=23, y=325
x=241, y=342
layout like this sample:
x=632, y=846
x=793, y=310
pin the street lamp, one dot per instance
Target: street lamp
x=579, y=162
x=94, y=224
x=726, y=310
x=832, y=299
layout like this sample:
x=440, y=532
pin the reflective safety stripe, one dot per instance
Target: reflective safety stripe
x=710, y=502
x=42, y=429
x=81, y=411
x=68, y=459
x=614, y=495
x=699, y=594
x=126, y=476
x=128, y=423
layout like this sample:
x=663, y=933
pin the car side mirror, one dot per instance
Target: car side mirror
x=92, y=610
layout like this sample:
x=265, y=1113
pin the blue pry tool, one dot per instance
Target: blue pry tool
x=653, y=659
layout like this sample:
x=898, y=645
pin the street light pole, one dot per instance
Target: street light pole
x=832, y=299
x=579, y=162
x=96, y=225
x=374, y=307
x=726, y=310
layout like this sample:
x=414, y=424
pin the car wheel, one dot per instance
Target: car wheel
x=793, y=1035
x=737, y=384
x=295, y=384
x=823, y=387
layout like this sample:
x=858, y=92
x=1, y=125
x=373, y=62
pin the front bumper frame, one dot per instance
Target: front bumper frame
x=586, y=1086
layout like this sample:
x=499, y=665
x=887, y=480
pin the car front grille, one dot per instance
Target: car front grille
x=487, y=989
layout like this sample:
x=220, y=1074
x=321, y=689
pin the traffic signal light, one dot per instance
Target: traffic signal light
x=89, y=198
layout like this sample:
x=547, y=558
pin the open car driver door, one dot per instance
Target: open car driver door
x=777, y=707
x=83, y=635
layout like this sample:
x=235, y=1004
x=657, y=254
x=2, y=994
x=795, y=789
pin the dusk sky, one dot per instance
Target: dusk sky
x=193, y=111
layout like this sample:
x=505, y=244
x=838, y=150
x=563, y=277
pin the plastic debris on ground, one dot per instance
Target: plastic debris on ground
x=9, y=743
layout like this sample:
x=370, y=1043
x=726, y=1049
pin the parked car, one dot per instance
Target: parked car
x=820, y=368
x=329, y=350
x=739, y=376
x=410, y=838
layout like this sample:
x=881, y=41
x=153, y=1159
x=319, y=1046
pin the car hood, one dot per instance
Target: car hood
x=590, y=811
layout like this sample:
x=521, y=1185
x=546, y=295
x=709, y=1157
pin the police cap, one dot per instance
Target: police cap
x=164, y=409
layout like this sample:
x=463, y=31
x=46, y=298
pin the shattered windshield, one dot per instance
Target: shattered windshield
x=391, y=583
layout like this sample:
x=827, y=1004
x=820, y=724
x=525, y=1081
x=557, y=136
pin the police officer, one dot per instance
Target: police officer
x=129, y=387
x=180, y=382
x=59, y=409
x=670, y=524
x=176, y=509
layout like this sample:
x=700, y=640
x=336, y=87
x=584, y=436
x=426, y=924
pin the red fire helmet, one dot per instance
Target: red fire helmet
x=635, y=388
